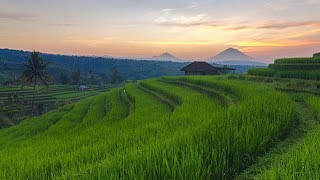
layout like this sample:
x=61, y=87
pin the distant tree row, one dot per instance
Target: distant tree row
x=12, y=63
x=78, y=77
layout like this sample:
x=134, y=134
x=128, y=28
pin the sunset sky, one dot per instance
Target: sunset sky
x=143, y=28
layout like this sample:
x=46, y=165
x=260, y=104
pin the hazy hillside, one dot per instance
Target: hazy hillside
x=130, y=69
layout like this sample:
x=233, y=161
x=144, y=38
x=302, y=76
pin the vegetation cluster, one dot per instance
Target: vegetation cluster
x=300, y=68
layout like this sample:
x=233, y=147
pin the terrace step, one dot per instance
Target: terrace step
x=306, y=122
x=224, y=100
x=75, y=116
x=97, y=110
x=127, y=101
x=175, y=101
x=161, y=97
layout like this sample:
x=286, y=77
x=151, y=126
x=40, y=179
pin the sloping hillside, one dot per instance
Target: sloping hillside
x=187, y=127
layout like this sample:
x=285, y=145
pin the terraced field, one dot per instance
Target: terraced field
x=52, y=95
x=296, y=157
x=174, y=127
x=300, y=68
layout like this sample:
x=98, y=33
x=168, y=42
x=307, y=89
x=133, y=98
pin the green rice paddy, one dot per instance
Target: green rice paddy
x=52, y=95
x=198, y=127
x=299, y=68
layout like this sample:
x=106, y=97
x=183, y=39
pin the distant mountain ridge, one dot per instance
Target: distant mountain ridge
x=166, y=57
x=11, y=64
x=232, y=56
x=163, y=57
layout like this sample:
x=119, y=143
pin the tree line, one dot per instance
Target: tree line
x=79, y=77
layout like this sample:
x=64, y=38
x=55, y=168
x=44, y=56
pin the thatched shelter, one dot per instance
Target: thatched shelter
x=203, y=68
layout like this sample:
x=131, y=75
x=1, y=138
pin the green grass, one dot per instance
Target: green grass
x=302, y=74
x=301, y=160
x=288, y=67
x=314, y=103
x=303, y=60
x=295, y=74
x=171, y=128
x=75, y=94
x=299, y=68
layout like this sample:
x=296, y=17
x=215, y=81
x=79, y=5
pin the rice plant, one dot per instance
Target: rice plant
x=171, y=128
x=303, y=60
x=299, y=68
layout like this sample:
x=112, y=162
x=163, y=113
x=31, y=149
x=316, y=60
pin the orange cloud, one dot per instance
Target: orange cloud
x=289, y=24
x=275, y=44
x=204, y=20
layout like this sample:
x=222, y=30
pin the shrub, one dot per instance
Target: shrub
x=316, y=55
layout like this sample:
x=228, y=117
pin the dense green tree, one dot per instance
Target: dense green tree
x=10, y=107
x=104, y=78
x=64, y=79
x=317, y=55
x=35, y=72
x=116, y=76
x=92, y=78
x=76, y=77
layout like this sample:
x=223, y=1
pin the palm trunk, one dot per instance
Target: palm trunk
x=33, y=95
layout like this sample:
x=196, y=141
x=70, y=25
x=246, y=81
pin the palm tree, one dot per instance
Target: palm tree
x=35, y=72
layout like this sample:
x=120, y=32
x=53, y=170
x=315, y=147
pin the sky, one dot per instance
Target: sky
x=189, y=29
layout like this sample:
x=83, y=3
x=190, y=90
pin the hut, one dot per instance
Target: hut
x=83, y=87
x=203, y=68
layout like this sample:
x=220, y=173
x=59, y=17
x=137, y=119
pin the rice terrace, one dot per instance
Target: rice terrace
x=170, y=89
x=172, y=127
